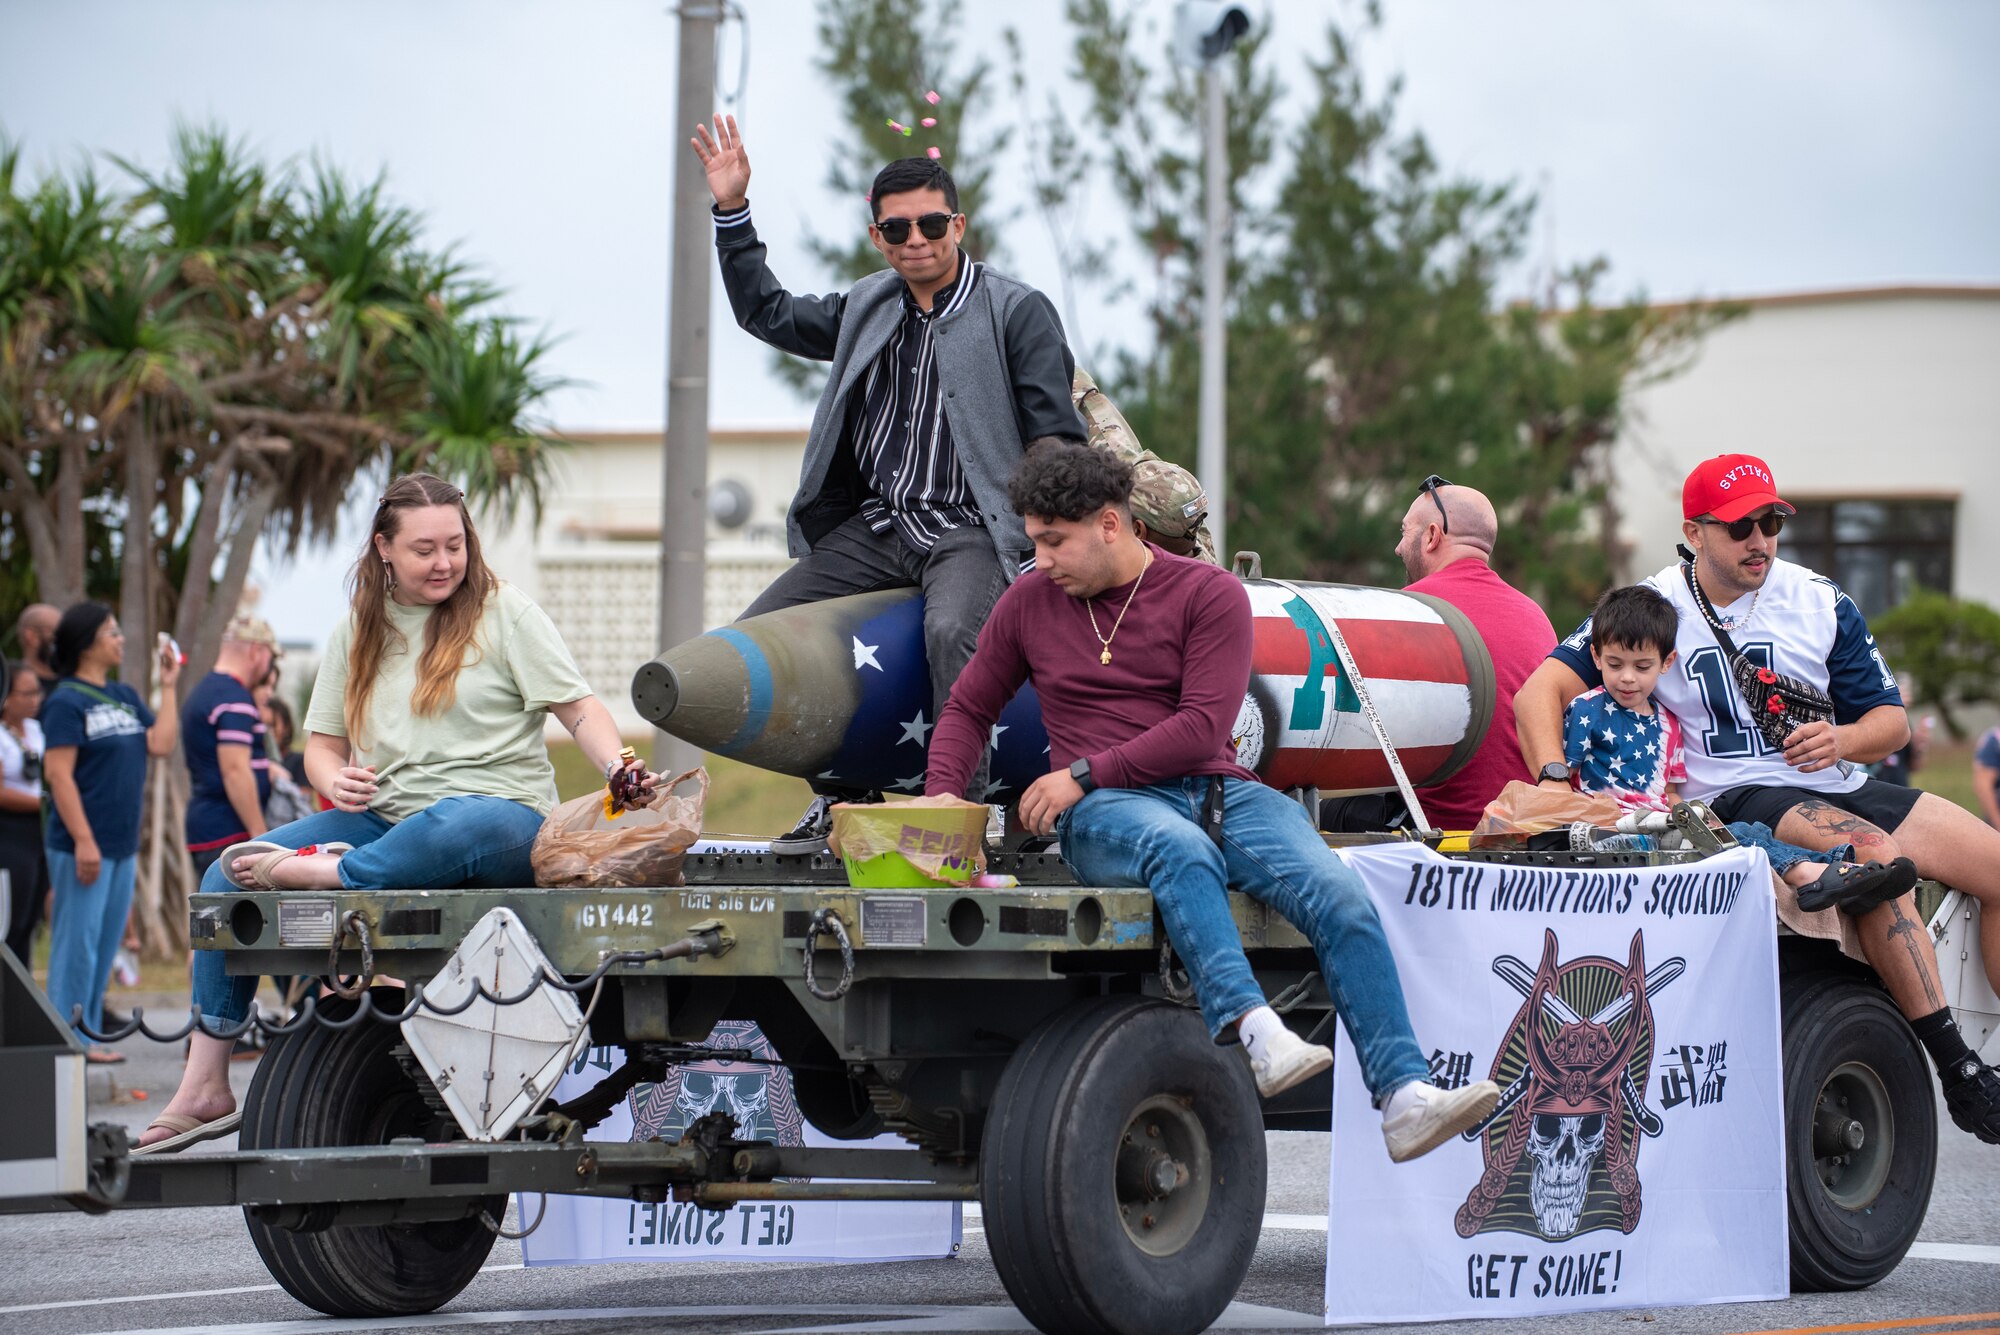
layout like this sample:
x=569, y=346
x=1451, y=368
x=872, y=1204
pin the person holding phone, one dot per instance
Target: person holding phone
x=99, y=734
x=21, y=747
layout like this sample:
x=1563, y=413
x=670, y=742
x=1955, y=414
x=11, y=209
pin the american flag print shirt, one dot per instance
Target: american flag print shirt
x=1615, y=750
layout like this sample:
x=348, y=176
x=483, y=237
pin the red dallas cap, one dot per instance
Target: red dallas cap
x=1730, y=486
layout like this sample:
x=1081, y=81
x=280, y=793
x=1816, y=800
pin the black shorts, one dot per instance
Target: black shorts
x=1883, y=805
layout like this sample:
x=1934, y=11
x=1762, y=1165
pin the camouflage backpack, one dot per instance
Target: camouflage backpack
x=1166, y=498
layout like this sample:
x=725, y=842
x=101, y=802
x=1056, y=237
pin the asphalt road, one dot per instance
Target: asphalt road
x=195, y=1270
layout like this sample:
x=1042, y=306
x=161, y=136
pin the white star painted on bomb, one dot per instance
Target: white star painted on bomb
x=992, y=787
x=998, y=728
x=911, y=784
x=914, y=730
x=864, y=655
x=826, y=774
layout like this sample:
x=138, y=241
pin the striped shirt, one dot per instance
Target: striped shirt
x=901, y=436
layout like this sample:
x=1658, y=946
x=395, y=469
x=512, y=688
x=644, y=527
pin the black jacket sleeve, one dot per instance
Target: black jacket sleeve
x=1038, y=358
x=803, y=326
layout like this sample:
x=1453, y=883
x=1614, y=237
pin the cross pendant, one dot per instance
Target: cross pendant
x=1105, y=657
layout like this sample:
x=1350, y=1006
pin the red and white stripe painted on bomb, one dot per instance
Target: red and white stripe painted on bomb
x=1416, y=674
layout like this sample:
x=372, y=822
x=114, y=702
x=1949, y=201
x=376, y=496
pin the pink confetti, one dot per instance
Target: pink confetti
x=928, y=121
x=932, y=97
x=899, y=127
x=935, y=152
x=868, y=198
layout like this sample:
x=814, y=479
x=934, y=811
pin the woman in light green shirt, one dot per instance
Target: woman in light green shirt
x=425, y=732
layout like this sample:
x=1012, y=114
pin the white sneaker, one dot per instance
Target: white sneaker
x=1435, y=1116
x=1285, y=1060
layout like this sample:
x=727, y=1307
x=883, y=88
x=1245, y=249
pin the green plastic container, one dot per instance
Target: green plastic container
x=893, y=871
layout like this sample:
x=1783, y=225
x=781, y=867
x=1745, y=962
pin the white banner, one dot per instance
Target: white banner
x=1630, y=1018
x=581, y=1230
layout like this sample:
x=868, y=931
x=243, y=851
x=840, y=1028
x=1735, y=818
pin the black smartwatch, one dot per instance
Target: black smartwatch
x=1555, y=770
x=1080, y=771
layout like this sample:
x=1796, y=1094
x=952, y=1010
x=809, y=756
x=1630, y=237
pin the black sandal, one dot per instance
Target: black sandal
x=1857, y=888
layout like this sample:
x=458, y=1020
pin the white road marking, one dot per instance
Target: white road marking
x=911, y=1319
x=897, y=1317
x=164, y=1297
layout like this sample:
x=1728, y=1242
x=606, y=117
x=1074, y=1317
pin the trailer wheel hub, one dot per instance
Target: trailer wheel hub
x=1162, y=1175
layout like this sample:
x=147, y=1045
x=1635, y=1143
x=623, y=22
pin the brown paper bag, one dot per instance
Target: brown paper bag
x=582, y=847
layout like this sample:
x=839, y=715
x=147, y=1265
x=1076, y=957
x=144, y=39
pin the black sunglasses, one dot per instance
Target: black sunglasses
x=1429, y=486
x=1739, y=529
x=897, y=230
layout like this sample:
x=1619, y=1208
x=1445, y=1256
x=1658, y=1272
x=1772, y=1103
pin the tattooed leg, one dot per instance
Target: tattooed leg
x=1891, y=937
x=1821, y=825
x=1905, y=931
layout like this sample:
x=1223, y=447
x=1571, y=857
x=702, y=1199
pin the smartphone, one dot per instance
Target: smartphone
x=169, y=645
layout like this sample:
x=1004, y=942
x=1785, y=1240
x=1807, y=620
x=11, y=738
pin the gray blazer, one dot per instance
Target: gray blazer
x=1003, y=366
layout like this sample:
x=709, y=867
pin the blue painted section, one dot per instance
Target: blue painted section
x=1125, y=933
x=877, y=752
x=762, y=693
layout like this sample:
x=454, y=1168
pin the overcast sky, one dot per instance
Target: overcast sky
x=1707, y=148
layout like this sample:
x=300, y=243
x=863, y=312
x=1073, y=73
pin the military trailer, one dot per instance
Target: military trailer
x=1031, y=1045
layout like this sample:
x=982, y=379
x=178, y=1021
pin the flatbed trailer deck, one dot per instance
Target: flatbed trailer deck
x=1014, y=1038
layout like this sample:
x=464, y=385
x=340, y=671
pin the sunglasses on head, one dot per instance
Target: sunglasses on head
x=897, y=230
x=1429, y=486
x=1739, y=529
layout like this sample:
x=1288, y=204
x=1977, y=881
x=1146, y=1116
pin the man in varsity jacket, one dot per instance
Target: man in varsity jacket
x=1812, y=791
x=943, y=373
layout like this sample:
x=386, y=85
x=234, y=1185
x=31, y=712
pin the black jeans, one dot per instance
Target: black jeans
x=28, y=875
x=960, y=577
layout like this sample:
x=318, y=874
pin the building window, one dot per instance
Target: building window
x=1880, y=552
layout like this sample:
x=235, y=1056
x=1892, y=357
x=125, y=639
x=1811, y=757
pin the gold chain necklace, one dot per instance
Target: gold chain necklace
x=1090, y=607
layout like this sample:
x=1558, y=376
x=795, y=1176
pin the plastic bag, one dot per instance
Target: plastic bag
x=941, y=839
x=581, y=847
x=1525, y=809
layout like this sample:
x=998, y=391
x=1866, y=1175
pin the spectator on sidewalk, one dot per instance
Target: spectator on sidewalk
x=291, y=796
x=21, y=750
x=34, y=629
x=99, y=734
x=1986, y=776
x=222, y=737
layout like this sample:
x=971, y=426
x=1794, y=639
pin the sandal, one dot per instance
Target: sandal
x=187, y=1131
x=268, y=855
x=1857, y=888
x=98, y=1055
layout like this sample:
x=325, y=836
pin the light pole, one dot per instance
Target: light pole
x=1204, y=30
x=684, y=475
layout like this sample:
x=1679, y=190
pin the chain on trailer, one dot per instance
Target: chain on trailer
x=706, y=939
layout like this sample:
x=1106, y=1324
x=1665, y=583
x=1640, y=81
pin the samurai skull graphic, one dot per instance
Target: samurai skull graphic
x=1561, y=1148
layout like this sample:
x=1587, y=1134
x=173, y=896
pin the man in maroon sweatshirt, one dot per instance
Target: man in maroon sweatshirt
x=1141, y=659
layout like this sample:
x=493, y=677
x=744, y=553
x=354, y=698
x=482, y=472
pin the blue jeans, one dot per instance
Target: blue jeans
x=89, y=924
x=1785, y=856
x=481, y=842
x=1152, y=837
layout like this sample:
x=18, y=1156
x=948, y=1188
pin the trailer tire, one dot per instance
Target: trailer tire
x=1853, y=1070
x=321, y=1087
x=1100, y=1106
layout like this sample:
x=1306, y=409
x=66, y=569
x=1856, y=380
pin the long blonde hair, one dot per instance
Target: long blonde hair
x=453, y=624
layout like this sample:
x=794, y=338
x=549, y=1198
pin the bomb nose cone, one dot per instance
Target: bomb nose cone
x=699, y=690
x=656, y=692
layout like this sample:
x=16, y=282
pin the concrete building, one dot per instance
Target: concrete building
x=1878, y=410
x=593, y=563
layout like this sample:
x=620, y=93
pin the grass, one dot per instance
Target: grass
x=1948, y=772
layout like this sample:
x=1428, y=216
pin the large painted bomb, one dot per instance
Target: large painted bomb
x=838, y=691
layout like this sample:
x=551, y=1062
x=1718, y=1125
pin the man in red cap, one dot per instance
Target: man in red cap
x=1811, y=790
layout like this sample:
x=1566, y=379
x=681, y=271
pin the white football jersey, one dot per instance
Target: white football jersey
x=1802, y=625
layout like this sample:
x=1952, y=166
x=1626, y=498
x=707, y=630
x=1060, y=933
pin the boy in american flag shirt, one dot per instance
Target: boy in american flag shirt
x=1619, y=741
